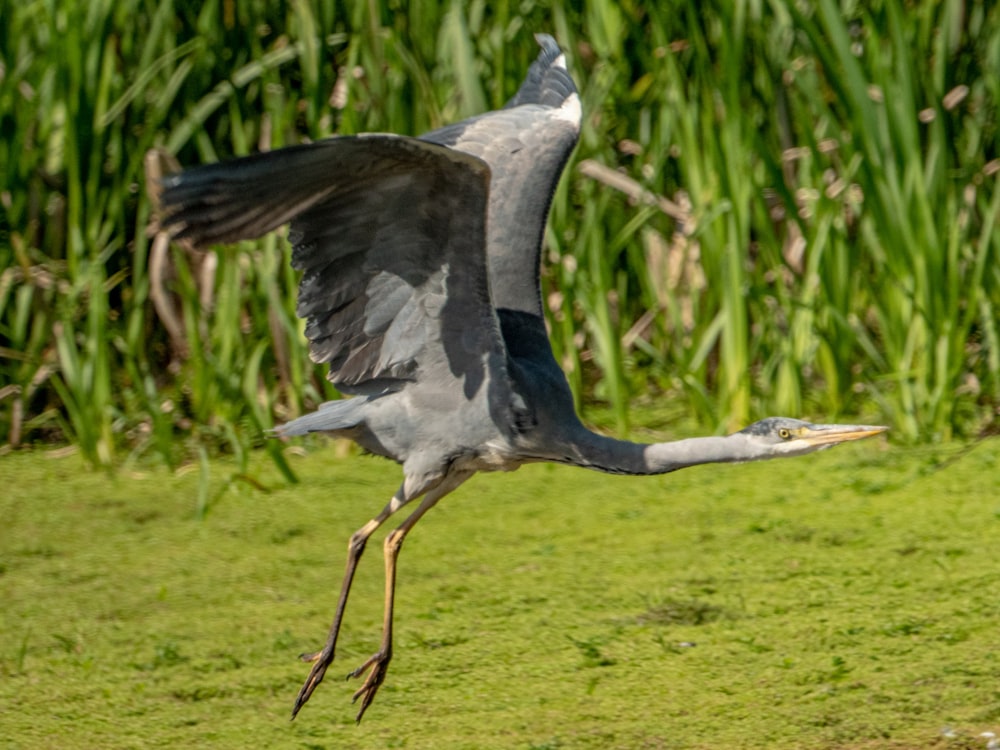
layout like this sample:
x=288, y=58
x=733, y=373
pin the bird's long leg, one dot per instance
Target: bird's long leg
x=378, y=663
x=355, y=547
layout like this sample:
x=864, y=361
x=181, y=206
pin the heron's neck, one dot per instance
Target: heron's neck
x=623, y=457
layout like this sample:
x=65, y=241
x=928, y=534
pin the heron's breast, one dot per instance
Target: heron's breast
x=492, y=456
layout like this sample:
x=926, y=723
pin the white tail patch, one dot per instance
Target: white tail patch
x=560, y=62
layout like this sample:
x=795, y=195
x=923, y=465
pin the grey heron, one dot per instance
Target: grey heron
x=420, y=287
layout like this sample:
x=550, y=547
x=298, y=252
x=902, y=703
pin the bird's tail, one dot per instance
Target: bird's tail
x=330, y=417
x=548, y=82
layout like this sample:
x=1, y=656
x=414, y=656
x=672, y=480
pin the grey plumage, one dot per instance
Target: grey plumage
x=420, y=290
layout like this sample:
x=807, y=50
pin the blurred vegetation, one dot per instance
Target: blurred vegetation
x=776, y=207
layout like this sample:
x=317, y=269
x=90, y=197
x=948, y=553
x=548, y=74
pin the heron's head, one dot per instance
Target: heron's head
x=782, y=436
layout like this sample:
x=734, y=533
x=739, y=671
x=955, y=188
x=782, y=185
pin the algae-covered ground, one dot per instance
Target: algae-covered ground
x=849, y=599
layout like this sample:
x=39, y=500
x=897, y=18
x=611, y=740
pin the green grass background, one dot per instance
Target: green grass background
x=844, y=600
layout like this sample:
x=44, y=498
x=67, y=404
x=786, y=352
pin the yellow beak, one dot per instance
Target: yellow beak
x=831, y=434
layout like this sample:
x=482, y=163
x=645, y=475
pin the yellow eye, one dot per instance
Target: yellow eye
x=784, y=433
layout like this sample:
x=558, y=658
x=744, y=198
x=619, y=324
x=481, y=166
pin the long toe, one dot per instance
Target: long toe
x=379, y=666
x=315, y=677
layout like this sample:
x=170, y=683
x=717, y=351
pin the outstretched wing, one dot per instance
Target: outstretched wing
x=389, y=233
x=526, y=145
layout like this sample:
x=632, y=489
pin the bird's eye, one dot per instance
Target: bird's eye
x=784, y=433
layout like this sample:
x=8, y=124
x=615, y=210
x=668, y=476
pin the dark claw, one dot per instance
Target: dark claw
x=379, y=664
x=321, y=660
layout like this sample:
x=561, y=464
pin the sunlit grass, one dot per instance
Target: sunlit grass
x=842, y=600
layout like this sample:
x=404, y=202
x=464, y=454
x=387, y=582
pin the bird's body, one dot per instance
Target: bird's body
x=420, y=287
x=489, y=423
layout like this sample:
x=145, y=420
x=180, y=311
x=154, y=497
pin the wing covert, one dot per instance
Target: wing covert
x=527, y=145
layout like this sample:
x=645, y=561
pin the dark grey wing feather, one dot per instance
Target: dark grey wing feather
x=547, y=82
x=235, y=200
x=526, y=145
x=389, y=234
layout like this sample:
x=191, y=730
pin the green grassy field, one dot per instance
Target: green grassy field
x=844, y=600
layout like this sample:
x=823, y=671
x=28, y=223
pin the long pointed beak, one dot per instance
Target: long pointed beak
x=832, y=434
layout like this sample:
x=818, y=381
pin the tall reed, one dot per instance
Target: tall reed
x=781, y=208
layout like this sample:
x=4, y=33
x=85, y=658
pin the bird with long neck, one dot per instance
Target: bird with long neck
x=420, y=290
x=774, y=437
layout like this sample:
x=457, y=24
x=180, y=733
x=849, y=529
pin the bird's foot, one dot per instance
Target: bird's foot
x=320, y=661
x=377, y=665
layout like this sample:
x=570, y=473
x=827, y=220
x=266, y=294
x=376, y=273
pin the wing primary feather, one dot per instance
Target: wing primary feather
x=391, y=235
x=548, y=82
x=407, y=247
